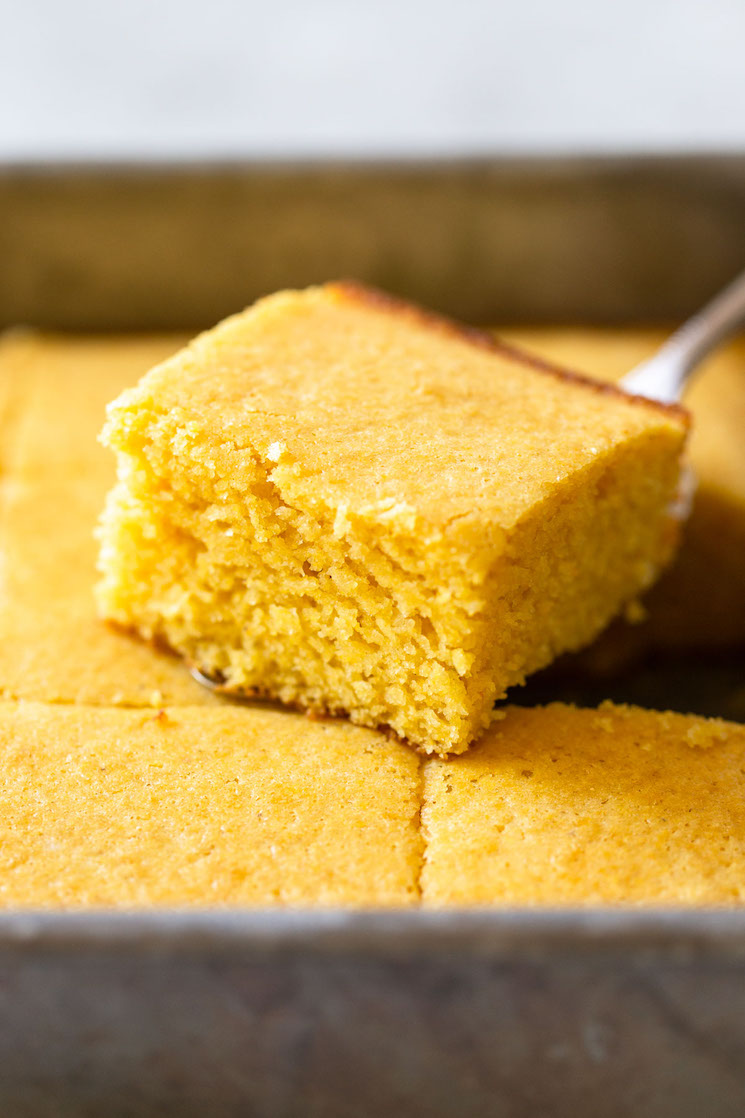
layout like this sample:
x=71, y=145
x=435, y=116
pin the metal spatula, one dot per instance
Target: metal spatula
x=664, y=376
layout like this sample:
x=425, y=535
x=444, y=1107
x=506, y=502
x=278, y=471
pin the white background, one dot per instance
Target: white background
x=161, y=79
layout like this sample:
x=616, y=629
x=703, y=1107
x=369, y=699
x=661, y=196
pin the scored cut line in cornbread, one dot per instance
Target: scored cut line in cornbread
x=53, y=646
x=226, y=806
x=557, y=805
x=352, y=506
x=236, y=806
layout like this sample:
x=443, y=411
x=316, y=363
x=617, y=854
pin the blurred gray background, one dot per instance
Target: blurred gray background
x=171, y=78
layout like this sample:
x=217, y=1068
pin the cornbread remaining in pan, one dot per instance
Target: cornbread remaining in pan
x=13, y=392
x=231, y=805
x=339, y=501
x=700, y=601
x=564, y=806
x=55, y=476
x=64, y=383
x=187, y=805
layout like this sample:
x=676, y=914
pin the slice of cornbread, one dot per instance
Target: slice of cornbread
x=342, y=502
x=558, y=805
x=185, y=806
x=52, y=645
x=700, y=601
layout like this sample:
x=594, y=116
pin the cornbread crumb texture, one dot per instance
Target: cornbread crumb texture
x=53, y=646
x=405, y=559
x=564, y=806
x=122, y=808
x=700, y=601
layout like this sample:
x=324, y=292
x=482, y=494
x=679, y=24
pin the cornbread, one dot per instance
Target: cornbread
x=231, y=805
x=12, y=395
x=53, y=647
x=186, y=805
x=62, y=385
x=557, y=805
x=700, y=601
x=341, y=502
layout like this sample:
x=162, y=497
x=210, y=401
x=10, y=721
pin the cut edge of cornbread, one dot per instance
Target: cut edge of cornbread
x=202, y=544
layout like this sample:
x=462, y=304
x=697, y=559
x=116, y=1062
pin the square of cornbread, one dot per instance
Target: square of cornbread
x=109, y=807
x=558, y=805
x=342, y=502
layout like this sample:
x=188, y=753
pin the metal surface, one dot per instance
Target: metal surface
x=320, y=1014
x=413, y=1014
x=496, y=240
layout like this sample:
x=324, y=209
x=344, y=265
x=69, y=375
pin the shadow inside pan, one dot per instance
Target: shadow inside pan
x=708, y=684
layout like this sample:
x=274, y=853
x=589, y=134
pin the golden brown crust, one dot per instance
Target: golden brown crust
x=354, y=291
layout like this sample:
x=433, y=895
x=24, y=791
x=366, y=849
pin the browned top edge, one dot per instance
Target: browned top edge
x=354, y=291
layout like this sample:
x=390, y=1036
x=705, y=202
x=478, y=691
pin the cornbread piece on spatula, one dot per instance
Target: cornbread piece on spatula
x=342, y=502
x=558, y=805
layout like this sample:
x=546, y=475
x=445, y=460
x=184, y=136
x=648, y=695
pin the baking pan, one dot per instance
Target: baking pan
x=369, y=1014
x=318, y=1013
x=488, y=241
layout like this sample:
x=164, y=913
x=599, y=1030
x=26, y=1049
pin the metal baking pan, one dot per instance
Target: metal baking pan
x=317, y=1014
